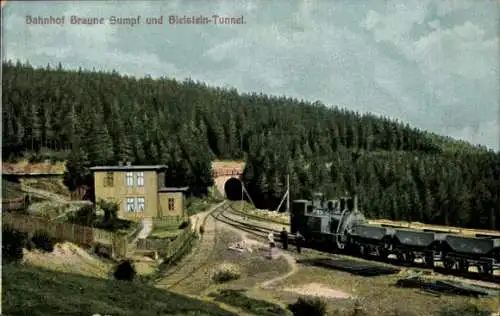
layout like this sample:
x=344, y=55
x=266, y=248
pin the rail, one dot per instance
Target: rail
x=194, y=262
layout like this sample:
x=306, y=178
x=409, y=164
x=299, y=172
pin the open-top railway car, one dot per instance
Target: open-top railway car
x=339, y=225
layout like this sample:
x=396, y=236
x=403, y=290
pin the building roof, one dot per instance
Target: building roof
x=129, y=168
x=165, y=189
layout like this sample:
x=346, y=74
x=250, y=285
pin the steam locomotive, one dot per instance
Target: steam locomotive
x=339, y=225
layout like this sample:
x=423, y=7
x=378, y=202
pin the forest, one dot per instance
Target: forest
x=96, y=118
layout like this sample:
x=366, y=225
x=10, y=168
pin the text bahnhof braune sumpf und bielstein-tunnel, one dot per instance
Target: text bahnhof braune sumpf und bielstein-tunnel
x=136, y=20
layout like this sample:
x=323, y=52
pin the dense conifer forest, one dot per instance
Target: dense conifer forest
x=95, y=118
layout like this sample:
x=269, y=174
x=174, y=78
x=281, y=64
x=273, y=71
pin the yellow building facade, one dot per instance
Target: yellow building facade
x=140, y=191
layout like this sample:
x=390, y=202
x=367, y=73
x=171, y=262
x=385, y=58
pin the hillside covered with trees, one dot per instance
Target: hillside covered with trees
x=96, y=118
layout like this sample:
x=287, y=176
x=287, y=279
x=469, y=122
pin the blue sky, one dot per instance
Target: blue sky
x=433, y=64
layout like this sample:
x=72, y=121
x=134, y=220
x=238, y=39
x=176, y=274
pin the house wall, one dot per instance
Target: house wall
x=119, y=192
x=163, y=210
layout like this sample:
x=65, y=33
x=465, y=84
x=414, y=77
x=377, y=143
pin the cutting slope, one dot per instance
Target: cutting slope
x=34, y=291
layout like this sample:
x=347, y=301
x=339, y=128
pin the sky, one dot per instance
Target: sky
x=431, y=63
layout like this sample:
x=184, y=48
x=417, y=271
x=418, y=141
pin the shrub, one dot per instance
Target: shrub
x=308, y=306
x=125, y=271
x=226, y=272
x=183, y=225
x=84, y=216
x=110, y=212
x=43, y=241
x=13, y=242
x=202, y=229
x=469, y=310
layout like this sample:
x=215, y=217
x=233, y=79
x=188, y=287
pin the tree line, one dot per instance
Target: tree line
x=97, y=118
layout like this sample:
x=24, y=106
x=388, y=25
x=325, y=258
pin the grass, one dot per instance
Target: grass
x=253, y=267
x=237, y=298
x=195, y=205
x=48, y=209
x=261, y=215
x=167, y=229
x=165, y=233
x=51, y=185
x=30, y=290
x=119, y=225
x=378, y=295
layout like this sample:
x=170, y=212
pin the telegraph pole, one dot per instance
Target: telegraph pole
x=288, y=193
x=242, y=195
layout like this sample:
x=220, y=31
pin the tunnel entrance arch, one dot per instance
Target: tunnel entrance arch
x=233, y=189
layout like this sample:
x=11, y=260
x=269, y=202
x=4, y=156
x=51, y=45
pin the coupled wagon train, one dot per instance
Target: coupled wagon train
x=339, y=225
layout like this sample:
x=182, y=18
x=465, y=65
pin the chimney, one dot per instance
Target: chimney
x=129, y=163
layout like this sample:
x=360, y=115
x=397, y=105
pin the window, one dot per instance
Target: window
x=140, y=179
x=130, y=179
x=171, y=204
x=108, y=179
x=130, y=205
x=140, y=204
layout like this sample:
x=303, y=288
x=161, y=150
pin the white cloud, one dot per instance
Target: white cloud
x=461, y=50
x=414, y=60
x=447, y=6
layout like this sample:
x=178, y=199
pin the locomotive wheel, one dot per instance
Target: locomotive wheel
x=364, y=251
x=400, y=256
x=429, y=260
x=383, y=254
x=486, y=268
x=448, y=263
x=409, y=257
x=463, y=265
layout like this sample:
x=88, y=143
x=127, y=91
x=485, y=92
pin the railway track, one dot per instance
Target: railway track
x=228, y=216
x=198, y=258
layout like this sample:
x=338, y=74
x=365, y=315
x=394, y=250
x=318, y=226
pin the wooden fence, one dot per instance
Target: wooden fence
x=165, y=247
x=78, y=234
x=89, y=236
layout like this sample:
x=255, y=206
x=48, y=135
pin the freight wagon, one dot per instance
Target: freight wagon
x=339, y=225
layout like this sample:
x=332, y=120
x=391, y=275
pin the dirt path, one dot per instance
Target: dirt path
x=179, y=274
x=288, y=257
x=47, y=195
x=293, y=269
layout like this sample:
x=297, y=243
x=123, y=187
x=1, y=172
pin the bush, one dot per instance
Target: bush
x=202, y=229
x=469, y=310
x=110, y=212
x=43, y=241
x=13, y=242
x=125, y=271
x=308, y=306
x=85, y=216
x=226, y=272
x=183, y=225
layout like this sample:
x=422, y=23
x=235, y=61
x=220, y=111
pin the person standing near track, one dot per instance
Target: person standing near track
x=299, y=239
x=270, y=237
x=284, y=238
